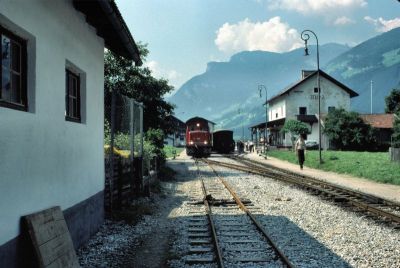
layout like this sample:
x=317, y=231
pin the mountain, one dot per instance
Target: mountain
x=376, y=60
x=226, y=85
x=227, y=92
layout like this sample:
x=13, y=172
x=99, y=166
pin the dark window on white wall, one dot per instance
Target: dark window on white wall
x=331, y=109
x=72, y=97
x=315, y=90
x=13, y=93
x=302, y=110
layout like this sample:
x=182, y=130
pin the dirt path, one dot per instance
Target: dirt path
x=154, y=247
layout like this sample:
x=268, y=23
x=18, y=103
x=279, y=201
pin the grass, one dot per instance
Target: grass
x=374, y=166
x=168, y=149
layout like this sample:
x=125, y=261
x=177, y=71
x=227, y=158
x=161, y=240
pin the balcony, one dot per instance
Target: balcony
x=307, y=118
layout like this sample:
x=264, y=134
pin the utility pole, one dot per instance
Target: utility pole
x=260, y=87
x=242, y=125
x=371, y=95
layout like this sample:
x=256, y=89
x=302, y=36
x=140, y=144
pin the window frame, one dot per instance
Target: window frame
x=68, y=116
x=304, y=108
x=23, y=72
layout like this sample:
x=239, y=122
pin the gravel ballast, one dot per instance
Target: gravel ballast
x=312, y=232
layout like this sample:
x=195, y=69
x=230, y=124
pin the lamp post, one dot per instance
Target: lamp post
x=242, y=125
x=260, y=88
x=305, y=36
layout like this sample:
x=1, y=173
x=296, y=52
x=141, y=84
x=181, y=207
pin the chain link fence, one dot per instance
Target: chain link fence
x=123, y=129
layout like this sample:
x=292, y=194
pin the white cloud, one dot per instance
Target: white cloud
x=341, y=21
x=382, y=25
x=157, y=71
x=272, y=35
x=315, y=6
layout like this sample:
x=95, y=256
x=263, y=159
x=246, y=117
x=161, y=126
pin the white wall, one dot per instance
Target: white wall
x=277, y=109
x=45, y=160
x=304, y=96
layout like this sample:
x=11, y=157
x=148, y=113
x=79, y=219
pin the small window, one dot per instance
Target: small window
x=276, y=115
x=302, y=110
x=315, y=90
x=72, y=97
x=331, y=109
x=13, y=91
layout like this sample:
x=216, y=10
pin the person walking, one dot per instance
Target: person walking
x=300, y=147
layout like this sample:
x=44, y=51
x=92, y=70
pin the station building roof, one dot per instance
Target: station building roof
x=351, y=92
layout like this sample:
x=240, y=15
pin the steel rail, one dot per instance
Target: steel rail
x=330, y=192
x=212, y=225
x=366, y=196
x=254, y=220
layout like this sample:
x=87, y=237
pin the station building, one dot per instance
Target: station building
x=177, y=137
x=299, y=101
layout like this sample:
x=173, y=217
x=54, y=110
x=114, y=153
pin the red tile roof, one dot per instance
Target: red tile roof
x=378, y=120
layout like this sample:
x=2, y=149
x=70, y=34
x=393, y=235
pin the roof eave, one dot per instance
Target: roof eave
x=117, y=38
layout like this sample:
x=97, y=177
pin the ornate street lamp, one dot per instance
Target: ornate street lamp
x=305, y=36
x=260, y=88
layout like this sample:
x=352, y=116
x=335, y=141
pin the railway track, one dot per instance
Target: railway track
x=381, y=209
x=223, y=231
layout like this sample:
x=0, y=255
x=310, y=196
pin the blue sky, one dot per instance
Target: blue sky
x=183, y=35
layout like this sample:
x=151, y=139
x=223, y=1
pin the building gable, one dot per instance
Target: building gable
x=310, y=77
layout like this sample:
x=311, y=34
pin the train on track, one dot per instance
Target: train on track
x=201, y=140
x=198, y=137
x=223, y=142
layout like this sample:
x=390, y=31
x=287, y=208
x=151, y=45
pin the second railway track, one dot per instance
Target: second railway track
x=384, y=210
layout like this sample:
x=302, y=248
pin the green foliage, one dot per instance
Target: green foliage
x=137, y=82
x=169, y=151
x=393, y=102
x=347, y=131
x=396, y=131
x=370, y=165
x=156, y=138
x=151, y=143
x=295, y=128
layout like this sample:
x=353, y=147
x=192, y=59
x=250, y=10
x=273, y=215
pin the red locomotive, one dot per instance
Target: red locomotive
x=198, y=136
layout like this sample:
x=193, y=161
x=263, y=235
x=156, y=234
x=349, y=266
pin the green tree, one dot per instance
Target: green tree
x=396, y=130
x=294, y=128
x=393, y=102
x=137, y=82
x=347, y=131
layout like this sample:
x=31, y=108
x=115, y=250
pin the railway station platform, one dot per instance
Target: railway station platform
x=387, y=191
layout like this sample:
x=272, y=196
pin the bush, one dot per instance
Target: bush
x=347, y=131
x=396, y=131
x=152, y=144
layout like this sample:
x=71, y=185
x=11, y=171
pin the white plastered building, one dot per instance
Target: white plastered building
x=300, y=102
x=52, y=115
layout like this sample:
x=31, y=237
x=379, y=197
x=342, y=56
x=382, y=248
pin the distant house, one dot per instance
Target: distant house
x=51, y=113
x=383, y=123
x=300, y=101
x=177, y=138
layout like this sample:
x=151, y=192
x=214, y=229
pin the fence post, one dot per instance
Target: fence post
x=111, y=186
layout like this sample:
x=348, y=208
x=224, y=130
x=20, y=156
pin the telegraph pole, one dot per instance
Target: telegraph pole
x=371, y=95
